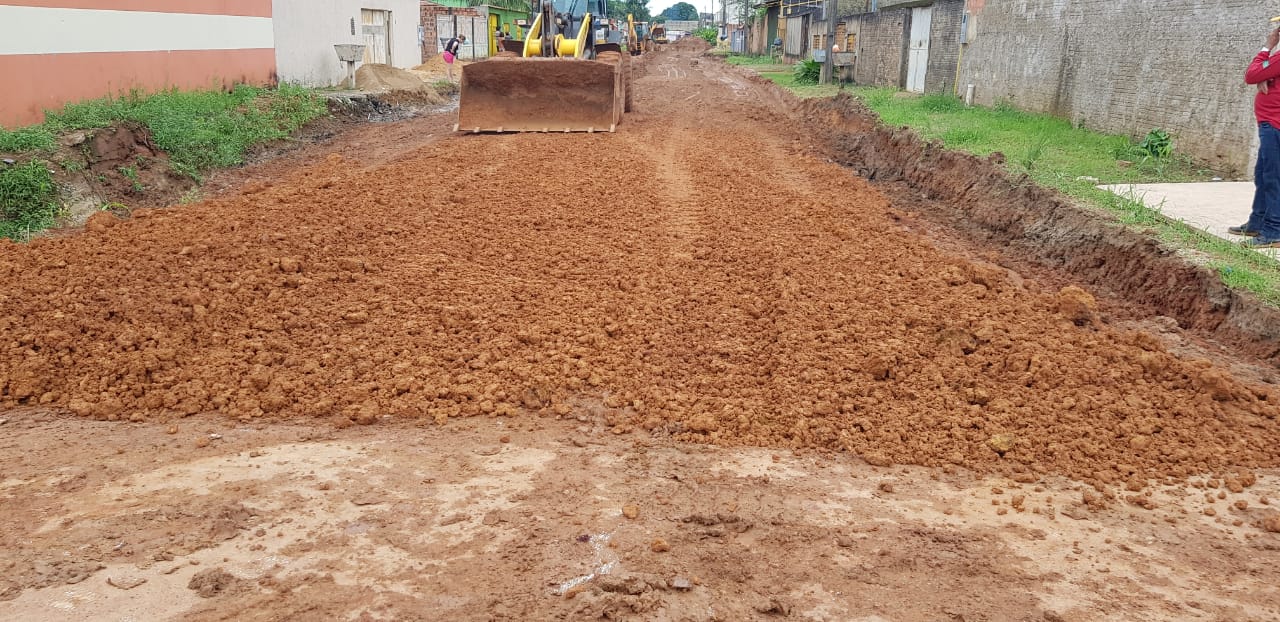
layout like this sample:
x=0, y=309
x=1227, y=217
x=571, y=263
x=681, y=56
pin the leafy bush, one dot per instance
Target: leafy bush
x=1157, y=144
x=808, y=72
x=28, y=199
x=707, y=34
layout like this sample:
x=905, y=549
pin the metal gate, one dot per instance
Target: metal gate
x=796, y=43
x=476, y=30
x=376, y=28
x=738, y=41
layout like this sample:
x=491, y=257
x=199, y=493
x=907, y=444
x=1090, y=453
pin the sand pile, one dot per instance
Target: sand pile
x=376, y=78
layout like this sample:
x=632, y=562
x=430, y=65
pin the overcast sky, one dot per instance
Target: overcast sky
x=704, y=6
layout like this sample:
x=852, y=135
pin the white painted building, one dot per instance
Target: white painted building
x=307, y=30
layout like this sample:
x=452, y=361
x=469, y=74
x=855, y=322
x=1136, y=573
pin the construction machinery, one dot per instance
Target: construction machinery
x=637, y=36
x=659, y=34
x=568, y=74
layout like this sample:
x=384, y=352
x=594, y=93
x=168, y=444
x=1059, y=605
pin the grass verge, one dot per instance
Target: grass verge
x=28, y=200
x=1073, y=161
x=200, y=130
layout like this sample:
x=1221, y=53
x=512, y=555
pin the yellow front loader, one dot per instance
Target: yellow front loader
x=568, y=74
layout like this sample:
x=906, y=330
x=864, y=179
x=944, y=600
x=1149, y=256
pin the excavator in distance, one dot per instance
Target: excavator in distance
x=569, y=74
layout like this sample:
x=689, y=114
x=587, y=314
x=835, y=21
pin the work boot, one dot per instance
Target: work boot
x=1242, y=230
x=1261, y=242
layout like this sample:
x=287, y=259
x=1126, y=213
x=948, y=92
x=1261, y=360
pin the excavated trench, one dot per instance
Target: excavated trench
x=976, y=197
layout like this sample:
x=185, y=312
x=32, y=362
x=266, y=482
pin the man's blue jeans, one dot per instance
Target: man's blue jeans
x=1265, y=218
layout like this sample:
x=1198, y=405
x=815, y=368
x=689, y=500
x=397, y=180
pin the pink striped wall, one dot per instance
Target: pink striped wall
x=48, y=77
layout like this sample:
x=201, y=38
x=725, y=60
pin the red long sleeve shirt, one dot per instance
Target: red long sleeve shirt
x=1265, y=68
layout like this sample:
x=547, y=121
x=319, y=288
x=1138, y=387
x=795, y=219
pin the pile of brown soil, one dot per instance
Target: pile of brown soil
x=723, y=288
x=376, y=78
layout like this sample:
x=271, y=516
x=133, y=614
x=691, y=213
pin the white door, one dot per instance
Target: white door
x=376, y=27
x=918, y=51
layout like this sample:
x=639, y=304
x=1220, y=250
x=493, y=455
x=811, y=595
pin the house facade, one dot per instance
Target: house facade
x=58, y=51
x=53, y=52
x=306, y=31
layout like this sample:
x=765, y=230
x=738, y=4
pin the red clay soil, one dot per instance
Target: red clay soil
x=696, y=271
x=1033, y=223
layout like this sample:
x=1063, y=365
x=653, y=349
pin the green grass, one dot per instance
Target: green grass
x=739, y=59
x=1053, y=153
x=201, y=130
x=28, y=200
x=788, y=80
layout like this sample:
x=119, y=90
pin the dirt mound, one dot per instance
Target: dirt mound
x=434, y=68
x=691, y=43
x=375, y=78
x=686, y=299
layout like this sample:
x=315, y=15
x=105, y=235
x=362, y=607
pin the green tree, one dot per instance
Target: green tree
x=681, y=11
x=619, y=9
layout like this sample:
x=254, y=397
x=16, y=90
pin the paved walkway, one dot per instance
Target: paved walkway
x=1212, y=206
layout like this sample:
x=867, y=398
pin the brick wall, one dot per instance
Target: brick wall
x=944, y=46
x=882, y=48
x=1126, y=66
x=430, y=39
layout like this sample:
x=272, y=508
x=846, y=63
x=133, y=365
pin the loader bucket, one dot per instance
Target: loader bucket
x=506, y=94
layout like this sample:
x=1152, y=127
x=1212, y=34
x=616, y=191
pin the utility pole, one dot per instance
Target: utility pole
x=828, y=64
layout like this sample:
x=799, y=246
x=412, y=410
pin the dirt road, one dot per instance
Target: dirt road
x=662, y=374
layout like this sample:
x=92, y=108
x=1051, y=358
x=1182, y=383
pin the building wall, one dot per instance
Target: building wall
x=944, y=46
x=428, y=12
x=882, y=46
x=1125, y=66
x=307, y=30
x=57, y=51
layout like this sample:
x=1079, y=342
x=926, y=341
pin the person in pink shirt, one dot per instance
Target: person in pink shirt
x=1263, y=227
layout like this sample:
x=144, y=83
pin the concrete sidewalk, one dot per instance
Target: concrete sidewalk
x=1210, y=206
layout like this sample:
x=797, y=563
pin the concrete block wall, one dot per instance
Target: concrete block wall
x=882, y=48
x=944, y=46
x=1126, y=66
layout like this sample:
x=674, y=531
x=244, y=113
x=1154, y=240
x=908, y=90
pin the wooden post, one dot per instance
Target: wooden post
x=828, y=63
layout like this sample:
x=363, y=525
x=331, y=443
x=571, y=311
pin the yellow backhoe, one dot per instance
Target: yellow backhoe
x=569, y=74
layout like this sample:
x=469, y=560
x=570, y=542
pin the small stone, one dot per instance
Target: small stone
x=681, y=583
x=659, y=546
x=505, y=438
x=1000, y=443
x=886, y=487
x=1210, y=512
x=125, y=582
x=844, y=541
x=1271, y=523
x=454, y=519
x=173, y=429
x=631, y=510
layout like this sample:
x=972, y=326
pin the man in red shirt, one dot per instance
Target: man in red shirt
x=1264, y=222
